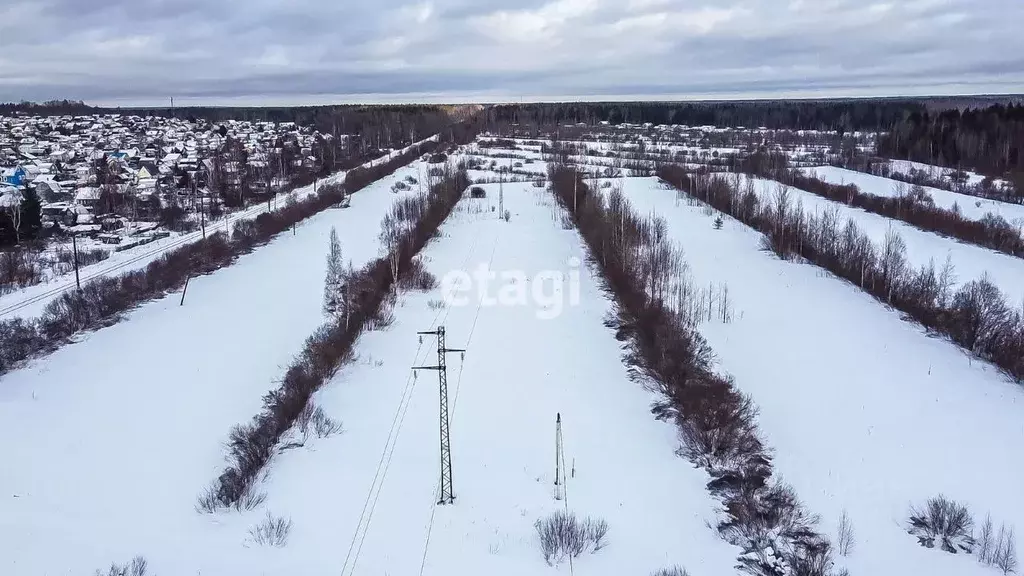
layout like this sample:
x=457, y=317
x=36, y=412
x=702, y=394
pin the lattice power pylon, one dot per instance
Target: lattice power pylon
x=447, y=495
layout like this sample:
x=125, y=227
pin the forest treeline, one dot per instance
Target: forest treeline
x=986, y=140
x=830, y=115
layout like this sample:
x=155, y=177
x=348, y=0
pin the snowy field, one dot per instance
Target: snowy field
x=111, y=439
x=970, y=261
x=905, y=166
x=32, y=300
x=971, y=207
x=518, y=372
x=864, y=411
x=120, y=450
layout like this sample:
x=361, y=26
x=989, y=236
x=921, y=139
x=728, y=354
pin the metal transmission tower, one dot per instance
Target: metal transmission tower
x=447, y=496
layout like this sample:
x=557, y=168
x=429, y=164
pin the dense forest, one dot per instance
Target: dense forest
x=831, y=115
x=845, y=115
x=987, y=140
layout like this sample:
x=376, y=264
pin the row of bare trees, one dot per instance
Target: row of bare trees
x=975, y=315
x=646, y=274
x=944, y=179
x=412, y=222
x=100, y=302
x=914, y=207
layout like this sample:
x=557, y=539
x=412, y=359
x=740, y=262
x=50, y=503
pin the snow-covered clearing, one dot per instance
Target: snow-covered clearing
x=971, y=261
x=972, y=207
x=519, y=371
x=865, y=412
x=110, y=440
x=905, y=166
x=32, y=300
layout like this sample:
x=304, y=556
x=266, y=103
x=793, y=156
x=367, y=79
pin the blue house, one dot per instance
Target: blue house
x=13, y=176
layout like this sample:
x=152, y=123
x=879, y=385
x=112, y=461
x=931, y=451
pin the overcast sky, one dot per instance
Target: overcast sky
x=142, y=52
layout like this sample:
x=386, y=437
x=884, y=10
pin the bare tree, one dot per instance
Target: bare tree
x=12, y=206
x=985, y=544
x=844, y=538
x=334, y=282
x=1006, y=559
x=893, y=260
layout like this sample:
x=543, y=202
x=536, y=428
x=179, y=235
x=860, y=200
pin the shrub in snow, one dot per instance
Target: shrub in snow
x=562, y=535
x=673, y=571
x=776, y=533
x=417, y=277
x=314, y=420
x=18, y=339
x=943, y=522
x=271, y=531
x=137, y=567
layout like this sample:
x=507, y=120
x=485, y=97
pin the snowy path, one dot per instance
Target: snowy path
x=519, y=371
x=109, y=441
x=864, y=411
x=971, y=261
x=971, y=207
x=32, y=300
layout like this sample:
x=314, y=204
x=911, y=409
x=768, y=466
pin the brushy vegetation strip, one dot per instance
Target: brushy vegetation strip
x=644, y=272
x=409, y=226
x=103, y=301
x=976, y=316
x=915, y=206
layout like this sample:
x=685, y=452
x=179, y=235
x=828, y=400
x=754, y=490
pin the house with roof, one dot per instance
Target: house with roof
x=88, y=196
x=13, y=176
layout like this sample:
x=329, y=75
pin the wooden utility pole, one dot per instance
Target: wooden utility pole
x=559, y=473
x=74, y=249
x=447, y=495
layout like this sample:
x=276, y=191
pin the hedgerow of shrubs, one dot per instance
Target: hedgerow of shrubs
x=102, y=301
x=991, y=232
x=408, y=227
x=644, y=272
x=975, y=316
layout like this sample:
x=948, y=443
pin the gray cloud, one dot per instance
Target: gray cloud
x=297, y=51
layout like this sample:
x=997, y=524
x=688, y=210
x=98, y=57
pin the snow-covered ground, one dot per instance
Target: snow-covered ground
x=32, y=300
x=110, y=440
x=971, y=261
x=122, y=431
x=971, y=207
x=905, y=166
x=864, y=411
x=518, y=372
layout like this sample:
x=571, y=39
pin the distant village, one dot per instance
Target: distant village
x=114, y=176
